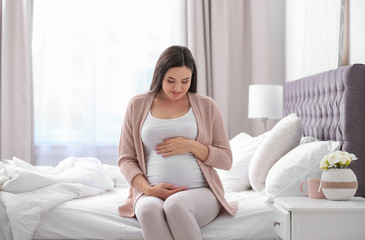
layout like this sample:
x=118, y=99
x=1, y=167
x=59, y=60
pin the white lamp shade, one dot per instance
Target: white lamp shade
x=265, y=101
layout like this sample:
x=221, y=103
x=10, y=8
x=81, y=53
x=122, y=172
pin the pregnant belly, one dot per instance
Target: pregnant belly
x=180, y=170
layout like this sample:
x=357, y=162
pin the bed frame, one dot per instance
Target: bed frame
x=331, y=106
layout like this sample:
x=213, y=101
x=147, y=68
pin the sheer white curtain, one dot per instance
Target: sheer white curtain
x=90, y=57
x=16, y=127
x=89, y=62
x=231, y=42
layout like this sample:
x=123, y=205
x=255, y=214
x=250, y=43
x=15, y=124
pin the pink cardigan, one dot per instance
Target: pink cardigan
x=211, y=132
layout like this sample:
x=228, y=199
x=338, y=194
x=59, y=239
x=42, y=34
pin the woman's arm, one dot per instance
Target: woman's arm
x=127, y=156
x=220, y=155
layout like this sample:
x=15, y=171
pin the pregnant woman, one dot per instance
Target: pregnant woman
x=172, y=139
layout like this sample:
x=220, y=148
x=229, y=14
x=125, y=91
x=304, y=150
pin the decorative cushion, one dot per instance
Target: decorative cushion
x=243, y=147
x=296, y=166
x=284, y=136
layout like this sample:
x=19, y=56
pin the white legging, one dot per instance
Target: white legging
x=180, y=216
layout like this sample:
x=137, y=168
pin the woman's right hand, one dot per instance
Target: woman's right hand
x=164, y=190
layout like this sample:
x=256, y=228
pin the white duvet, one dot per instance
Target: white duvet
x=27, y=191
x=51, y=203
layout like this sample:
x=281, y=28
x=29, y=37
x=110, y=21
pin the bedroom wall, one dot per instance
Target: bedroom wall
x=357, y=31
x=295, y=21
x=277, y=21
x=311, y=37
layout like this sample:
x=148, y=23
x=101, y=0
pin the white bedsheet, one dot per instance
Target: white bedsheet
x=27, y=191
x=89, y=218
x=97, y=218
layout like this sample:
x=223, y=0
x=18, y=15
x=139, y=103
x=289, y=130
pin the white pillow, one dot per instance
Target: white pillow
x=307, y=139
x=296, y=166
x=238, y=141
x=284, y=136
x=243, y=147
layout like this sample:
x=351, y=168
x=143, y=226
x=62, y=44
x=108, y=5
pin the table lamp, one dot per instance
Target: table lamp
x=265, y=101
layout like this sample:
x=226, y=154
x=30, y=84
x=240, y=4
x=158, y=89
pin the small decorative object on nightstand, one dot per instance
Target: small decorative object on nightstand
x=338, y=182
x=302, y=218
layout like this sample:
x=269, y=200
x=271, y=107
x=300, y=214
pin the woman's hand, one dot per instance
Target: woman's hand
x=174, y=146
x=180, y=145
x=164, y=190
x=160, y=190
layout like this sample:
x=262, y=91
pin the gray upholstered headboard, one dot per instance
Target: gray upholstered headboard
x=331, y=106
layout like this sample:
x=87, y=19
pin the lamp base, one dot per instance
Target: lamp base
x=264, y=120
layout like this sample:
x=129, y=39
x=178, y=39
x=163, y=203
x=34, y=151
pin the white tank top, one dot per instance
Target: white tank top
x=180, y=170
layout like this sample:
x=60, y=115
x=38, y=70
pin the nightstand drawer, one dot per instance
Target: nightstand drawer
x=281, y=224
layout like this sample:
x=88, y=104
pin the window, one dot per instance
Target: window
x=89, y=58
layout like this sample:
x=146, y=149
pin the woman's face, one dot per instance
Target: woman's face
x=176, y=82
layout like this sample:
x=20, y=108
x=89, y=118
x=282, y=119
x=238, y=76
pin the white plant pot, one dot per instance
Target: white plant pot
x=339, y=184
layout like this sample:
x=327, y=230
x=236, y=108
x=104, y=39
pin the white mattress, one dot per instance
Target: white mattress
x=96, y=217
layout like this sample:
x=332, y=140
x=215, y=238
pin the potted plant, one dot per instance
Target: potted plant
x=338, y=182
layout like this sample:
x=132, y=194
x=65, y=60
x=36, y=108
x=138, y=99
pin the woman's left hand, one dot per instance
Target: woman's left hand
x=174, y=146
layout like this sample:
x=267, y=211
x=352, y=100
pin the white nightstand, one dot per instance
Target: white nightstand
x=302, y=218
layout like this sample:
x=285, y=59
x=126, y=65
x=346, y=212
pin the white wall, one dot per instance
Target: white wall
x=356, y=31
x=312, y=37
x=277, y=22
x=294, y=24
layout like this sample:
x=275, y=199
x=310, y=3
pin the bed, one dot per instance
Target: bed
x=78, y=199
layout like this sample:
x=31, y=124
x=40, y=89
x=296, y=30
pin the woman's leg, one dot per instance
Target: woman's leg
x=150, y=214
x=187, y=211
